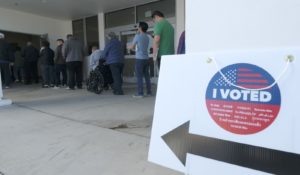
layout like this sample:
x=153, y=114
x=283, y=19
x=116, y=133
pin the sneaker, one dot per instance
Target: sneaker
x=6, y=87
x=27, y=83
x=149, y=95
x=118, y=93
x=138, y=96
x=68, y=88
x=45, y=86
x=56, y=87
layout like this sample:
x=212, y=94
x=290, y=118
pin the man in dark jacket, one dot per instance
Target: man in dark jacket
x=73, y=51
x=5, y=59
x=60, y=65
x=47, y=64
x=31, y=56
x=114, y=56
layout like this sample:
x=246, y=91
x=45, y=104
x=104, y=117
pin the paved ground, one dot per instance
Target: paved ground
x=62, y=132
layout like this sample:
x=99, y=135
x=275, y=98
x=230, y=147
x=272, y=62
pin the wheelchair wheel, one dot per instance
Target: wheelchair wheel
x=98, y=87
x=88, y=85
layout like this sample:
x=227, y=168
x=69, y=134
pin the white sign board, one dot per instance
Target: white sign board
x=234, y=114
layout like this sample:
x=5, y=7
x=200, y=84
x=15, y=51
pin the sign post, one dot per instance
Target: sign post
x=228, y=113
x=3, y=102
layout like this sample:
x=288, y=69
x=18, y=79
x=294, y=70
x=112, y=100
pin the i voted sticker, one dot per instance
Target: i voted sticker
x=246, y=110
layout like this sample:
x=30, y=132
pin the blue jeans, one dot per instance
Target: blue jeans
x=142, y=71
x=117, y=72
x=60, y=69
x=19, y=72
x=48, y=74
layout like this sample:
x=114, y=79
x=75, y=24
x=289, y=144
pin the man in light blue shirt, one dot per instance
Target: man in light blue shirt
x=141, y=43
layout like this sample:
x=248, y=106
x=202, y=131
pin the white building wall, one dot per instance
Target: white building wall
x=15, y=21
x=180, y=20
x=241, y=24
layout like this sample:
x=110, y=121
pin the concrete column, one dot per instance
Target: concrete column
x=101, y=26
x=180, y=19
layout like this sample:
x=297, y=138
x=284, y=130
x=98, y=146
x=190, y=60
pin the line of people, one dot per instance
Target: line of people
x=113, y=53
x=62, y=67
x=18, y=65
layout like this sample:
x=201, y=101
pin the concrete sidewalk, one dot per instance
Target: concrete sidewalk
x=63, y=132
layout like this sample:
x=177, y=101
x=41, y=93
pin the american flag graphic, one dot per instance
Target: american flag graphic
x=244, y=77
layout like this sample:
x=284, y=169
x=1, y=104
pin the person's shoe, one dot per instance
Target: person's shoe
x=45, y=86
x=149, y=95
x=138, y=96
x=118, y=93
x=79, y=87
x=68, y=88
x=7, y=87
x=56, y=87
x=17, y=81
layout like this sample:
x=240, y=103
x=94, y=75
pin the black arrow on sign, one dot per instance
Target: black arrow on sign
x=266, y=160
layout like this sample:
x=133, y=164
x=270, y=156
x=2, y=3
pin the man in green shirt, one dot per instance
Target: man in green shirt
x=163, y=36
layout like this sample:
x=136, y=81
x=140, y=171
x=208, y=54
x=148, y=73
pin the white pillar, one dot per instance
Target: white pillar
x=180, y=19
x=3, y=102
x=101, y=28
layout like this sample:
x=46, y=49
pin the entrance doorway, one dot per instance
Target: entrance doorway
x=20, y=39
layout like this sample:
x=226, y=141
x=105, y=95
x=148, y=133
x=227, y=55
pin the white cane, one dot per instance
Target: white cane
x=3, y=102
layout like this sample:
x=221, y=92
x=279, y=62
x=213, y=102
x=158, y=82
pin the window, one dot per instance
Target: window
x=86, y=30
x=92, y=33
x=120, y=18
x=78, y=30
x=167, y=7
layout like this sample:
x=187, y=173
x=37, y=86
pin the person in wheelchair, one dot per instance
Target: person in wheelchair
x=100, y=77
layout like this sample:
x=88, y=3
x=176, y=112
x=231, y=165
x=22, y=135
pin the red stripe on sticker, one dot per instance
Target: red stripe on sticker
x=249, y=75
x=244, y=70
x=251, y=81
x=251, y=86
